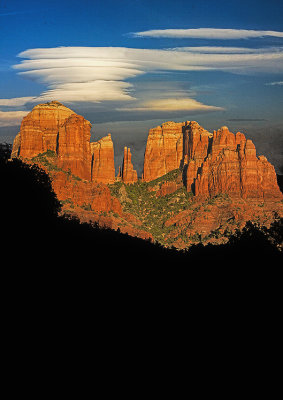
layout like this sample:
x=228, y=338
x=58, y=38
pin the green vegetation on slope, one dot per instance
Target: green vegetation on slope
x=153, y=211
x=143, y=200
x=48, y=160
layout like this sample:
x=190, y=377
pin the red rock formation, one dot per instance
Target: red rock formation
x=164, y=150
x=232, y=167
x=128, y=174
x=209, y=164
x=196, y=142
x=213, y=219
x=196, y=146
x=73, y=150
x=96, y=197
x=223, y=139
x=54, y=127
x=191, y=173
x=103, y=169
x=39, y=129
x=167, y=188
x=213, y=163
x=219, y=175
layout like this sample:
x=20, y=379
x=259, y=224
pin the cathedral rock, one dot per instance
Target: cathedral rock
x=56, y=128
x=186, y=168
x=212, y=163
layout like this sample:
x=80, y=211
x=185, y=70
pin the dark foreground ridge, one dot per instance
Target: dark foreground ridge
x=36, y=232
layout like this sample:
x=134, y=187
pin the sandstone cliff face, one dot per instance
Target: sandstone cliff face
x=128, y=174
x=40, y=128
x=74, y=147
x=213, y=163
x=103, y=169
x=95, y=197
x=196, y=142
x=196, y=146
x=164, y=150
x=232, y=167
x=55, y=128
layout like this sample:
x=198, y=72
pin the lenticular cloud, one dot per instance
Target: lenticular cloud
x=97, y=74
x=75, y=74
x=172, y=104
x=208, y=33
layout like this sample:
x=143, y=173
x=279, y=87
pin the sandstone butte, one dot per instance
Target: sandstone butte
x=209, y=164
x=213, y=163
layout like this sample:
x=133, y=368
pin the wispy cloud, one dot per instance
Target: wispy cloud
x=207, y=33
x=93, y=91
x=171, y=104
x=16, y=101
x=280, y=83
x=11, y=118
x=228, y=50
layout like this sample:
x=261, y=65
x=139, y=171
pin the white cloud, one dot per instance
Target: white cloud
x=95, y=91
x=80, y=74
x=207, y=33
x=16, y=101
x=87, y=64
x=11, y=118
x=171, y=104
x=280, y=83
x=98, y=74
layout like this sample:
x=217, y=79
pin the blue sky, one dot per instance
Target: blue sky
x=128, y=66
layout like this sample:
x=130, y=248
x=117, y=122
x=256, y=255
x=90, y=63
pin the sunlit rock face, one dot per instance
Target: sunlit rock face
x=164, y=150
x=171, y=145
x=103, y=168
x=128, y=174
x=56, y=128
x=231, y=166
x=73, y=150
x=40, y=129
x=196, y=142
x=58, y=139
x=84, y=193
x=195, y=182
x=213, y=163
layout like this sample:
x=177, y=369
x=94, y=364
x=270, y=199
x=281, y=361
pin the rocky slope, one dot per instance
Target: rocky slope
x=196, y=185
